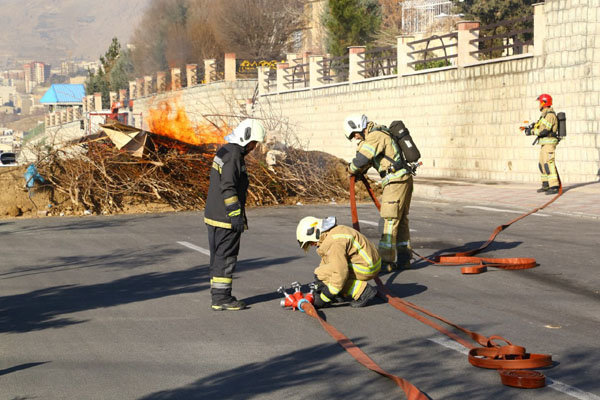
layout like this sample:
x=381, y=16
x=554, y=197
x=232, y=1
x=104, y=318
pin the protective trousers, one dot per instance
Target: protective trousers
x=355, y=282
x=547, y=166
x=395, y=237
x=224, y=248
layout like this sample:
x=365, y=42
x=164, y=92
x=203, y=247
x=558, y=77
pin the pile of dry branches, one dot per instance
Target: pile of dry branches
x=104, y=180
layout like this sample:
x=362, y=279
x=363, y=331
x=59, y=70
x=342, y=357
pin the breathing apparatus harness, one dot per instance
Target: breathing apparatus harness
x=407, y=154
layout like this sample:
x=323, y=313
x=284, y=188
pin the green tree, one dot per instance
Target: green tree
x=114, y=73
x=351, y=23
x=491, y=11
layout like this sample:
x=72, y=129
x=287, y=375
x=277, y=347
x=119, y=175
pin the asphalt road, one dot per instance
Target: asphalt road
x=118, y=308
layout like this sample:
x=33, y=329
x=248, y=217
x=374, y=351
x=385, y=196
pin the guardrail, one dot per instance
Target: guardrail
x=271, y=80
x=504, y=38
x=218, y=72
x=297, y=76
x=333, y=70
x=429, y=60
x=380, y=61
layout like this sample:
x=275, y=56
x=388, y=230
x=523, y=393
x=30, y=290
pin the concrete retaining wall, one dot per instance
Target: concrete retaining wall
x=464, y=119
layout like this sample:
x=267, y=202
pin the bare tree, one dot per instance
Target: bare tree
x=176, y=32
x=259, y=28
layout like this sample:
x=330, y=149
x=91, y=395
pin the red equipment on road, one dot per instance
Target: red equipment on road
x=297, y=299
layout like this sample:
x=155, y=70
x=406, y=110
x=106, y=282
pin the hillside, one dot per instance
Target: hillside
x=51, y=30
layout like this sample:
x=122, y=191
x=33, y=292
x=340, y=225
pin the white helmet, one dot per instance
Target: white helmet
x=249, y=130
x=310, y=228
x=354, y=123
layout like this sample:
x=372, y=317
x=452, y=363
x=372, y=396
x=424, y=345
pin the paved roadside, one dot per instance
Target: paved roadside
x=581, y=199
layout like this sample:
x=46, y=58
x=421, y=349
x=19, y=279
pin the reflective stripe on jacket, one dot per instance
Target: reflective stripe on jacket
x=378, y=150
x=342, y=250
x=228, y=185
x=548, y=125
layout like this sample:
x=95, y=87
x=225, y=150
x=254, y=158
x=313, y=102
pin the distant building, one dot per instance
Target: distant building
x=9, y=141
x=67, y=68
x=314, y=34
x=63, y=95
x=419, y=15
x=35, y=73
x=7, y=110
x=7, y=95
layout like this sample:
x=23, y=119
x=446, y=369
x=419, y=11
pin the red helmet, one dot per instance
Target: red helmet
x=545, y=100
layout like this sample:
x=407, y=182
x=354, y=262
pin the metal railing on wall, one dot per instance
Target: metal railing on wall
x=271, y=80
x=297, y=76
x=380, y=61
x=429, y=57
x=218, y=72
x=333, y=69
x=504, y=38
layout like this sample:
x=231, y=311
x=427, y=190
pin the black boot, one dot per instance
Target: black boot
x=365, y=297
x=552, y=190
x=403, y=258
x=229, y=304
x=544, y=187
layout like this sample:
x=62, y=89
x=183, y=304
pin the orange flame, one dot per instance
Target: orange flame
x=170, y=119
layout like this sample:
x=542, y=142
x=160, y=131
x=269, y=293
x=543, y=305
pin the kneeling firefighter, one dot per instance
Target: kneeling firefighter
x=224, y=214
x=348, y=261
x=378, y=148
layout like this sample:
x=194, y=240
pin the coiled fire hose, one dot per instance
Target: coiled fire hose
x=480, y=264
x=510, y=360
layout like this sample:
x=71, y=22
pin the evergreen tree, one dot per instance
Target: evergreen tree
x=488, y=12
x=351, y=23
x=491, y=11
x=114, y=73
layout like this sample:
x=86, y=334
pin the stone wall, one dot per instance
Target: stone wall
x=464, y=119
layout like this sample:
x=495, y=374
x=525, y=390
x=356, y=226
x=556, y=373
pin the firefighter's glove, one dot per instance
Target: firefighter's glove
x=319, y=302
x=234, y=211
x=528, y=131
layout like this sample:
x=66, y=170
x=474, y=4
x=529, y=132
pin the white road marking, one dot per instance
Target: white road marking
x=451, y=344
x=368, y=222
x=375, y=224
x=503, y=210
x=570, y=390
x=194, y=247
x=550, y=383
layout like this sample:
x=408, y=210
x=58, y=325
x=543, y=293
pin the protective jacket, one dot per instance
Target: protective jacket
x=347, y=256
x=546, y=127
x=380, y=151
x=228, y=186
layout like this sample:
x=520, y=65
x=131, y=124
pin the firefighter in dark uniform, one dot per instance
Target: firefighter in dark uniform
x=224, y=214
x=377, y=149
x=546, y=129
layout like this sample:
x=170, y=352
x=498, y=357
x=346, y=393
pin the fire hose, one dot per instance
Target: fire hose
x=304, y=303
x=510, y=360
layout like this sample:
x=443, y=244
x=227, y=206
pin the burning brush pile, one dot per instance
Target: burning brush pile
x=170, y=165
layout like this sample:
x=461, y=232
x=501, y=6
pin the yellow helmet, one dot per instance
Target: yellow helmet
x=310, y=228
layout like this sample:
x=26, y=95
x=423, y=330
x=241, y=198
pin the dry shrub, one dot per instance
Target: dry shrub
x=106, y=180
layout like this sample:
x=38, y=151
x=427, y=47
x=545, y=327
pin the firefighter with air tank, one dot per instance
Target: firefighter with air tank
x=378, y=148
x=546, y=130
x=225, y=215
